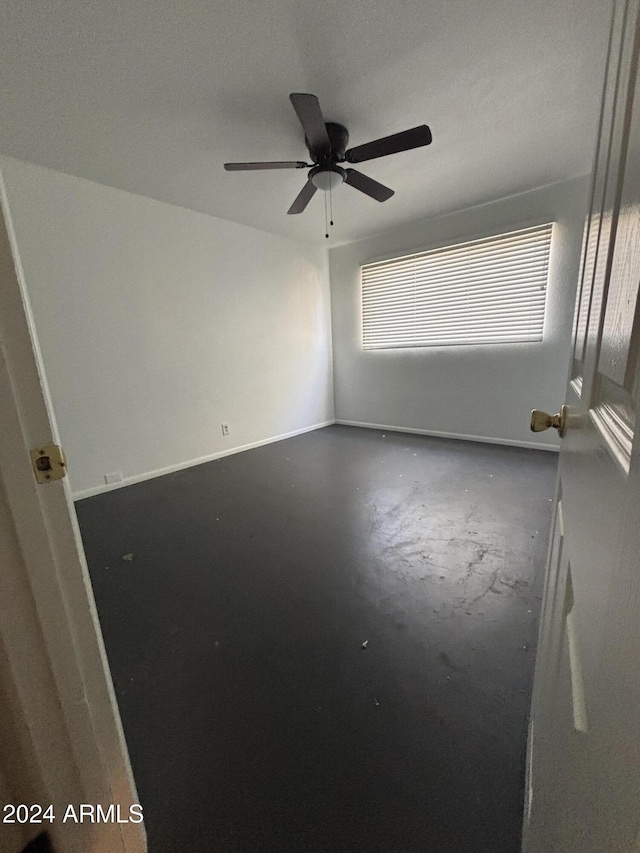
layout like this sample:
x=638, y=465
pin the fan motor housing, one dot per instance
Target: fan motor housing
x=339, y=139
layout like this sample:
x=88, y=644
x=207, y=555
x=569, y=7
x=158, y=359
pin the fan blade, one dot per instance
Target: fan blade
x=283, y=164
x=308, y=110
x=404, y=141
x=303, y=198
x=367, y=185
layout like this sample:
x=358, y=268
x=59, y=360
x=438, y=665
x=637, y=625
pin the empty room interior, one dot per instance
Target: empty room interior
x=295, y=398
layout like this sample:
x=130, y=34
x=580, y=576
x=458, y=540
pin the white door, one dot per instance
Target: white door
x=583, y=785
x=61, y=741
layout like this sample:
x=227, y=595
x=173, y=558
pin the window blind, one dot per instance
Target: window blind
x=486, y=291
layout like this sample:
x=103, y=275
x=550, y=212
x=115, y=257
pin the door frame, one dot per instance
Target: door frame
x=51, y=649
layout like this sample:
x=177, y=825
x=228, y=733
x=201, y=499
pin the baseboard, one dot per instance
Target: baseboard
x=170, y=469
x=532, y=445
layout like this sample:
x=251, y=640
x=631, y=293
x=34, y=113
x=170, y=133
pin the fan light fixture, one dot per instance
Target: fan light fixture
x=327, y=143
x=327, y=179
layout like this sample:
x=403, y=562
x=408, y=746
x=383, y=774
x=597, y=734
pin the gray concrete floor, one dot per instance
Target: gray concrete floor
x=255, y=719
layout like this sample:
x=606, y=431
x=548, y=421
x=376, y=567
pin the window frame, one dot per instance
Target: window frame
x=452, y=245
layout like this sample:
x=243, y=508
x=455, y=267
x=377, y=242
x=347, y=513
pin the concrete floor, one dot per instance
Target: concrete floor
x=256, y=721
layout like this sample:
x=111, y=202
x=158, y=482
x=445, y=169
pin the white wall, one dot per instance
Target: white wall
x=157, y=323
x=474, y=391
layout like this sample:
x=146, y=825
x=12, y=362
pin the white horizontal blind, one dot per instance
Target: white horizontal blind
x=484, y=292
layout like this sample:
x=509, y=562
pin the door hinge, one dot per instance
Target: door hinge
x=48, y=462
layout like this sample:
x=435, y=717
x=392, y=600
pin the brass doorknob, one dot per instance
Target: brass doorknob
x=543, y=420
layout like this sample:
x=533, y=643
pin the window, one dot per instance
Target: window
x=487, y=291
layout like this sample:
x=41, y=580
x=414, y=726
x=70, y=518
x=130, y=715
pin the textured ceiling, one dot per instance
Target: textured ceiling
x=153, y=96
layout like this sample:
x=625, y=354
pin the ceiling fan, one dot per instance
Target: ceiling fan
x=327, y=143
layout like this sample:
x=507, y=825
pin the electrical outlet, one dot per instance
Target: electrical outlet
x=225, y=429
x=115, y=477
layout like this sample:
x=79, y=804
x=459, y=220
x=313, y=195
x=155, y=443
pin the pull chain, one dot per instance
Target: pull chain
x=326, y=218
x=331, y=204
